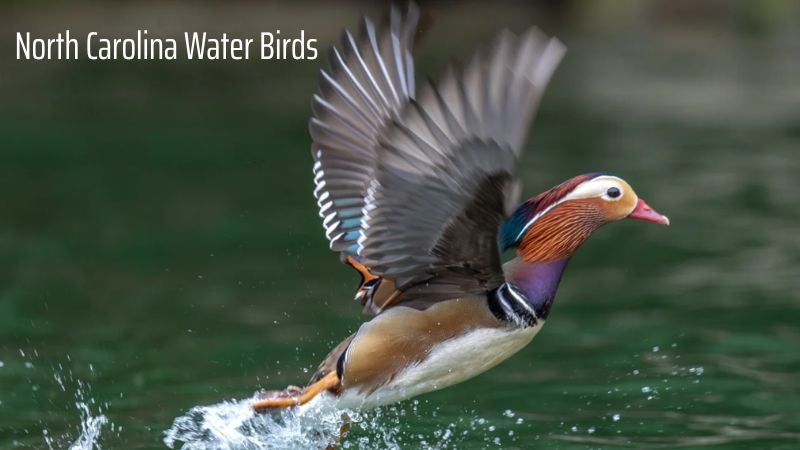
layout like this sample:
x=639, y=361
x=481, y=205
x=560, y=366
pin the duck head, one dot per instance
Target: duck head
x=552, y=225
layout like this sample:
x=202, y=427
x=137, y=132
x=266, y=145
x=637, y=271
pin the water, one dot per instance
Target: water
x=232, y=425
x=161, y=259
x=89, y=419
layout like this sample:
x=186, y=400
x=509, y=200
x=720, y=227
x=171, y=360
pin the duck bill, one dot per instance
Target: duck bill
x=643, y=211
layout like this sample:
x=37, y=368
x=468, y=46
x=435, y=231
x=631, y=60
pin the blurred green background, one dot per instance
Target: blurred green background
x=160, y=243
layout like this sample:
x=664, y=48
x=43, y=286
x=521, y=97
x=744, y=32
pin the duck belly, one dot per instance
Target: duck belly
x=448, y=363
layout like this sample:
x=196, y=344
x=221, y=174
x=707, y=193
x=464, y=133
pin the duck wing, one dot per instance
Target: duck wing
x=369, y=81
x=446, y=179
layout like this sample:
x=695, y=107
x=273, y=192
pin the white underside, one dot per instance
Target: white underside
x=450, y=362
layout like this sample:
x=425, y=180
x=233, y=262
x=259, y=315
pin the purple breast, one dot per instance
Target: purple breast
x=538, y=282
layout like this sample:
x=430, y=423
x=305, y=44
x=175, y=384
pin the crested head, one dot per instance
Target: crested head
x=555, y=223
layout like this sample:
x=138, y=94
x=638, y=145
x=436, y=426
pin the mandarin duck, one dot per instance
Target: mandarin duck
x=418, y=191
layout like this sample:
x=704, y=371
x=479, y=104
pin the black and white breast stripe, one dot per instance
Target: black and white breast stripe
x=509, y=304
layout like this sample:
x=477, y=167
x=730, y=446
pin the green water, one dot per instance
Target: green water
x=160, y=249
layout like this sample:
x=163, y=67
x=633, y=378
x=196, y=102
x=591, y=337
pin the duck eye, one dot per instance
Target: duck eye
x=613, y=192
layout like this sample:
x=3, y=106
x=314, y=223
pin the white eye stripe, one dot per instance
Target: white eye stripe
x=597, y=187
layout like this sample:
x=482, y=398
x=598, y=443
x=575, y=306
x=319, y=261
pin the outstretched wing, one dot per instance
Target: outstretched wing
x=371, y=78
x=446, y=175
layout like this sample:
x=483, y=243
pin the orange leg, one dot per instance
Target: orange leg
x=329, y=381
x=366, y=275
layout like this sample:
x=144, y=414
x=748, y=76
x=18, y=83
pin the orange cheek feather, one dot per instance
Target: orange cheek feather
x=559, y=233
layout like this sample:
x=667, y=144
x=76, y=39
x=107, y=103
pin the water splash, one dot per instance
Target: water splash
x=89, y=429
x=90, y=412
x=232, y=425
x=91, y=426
